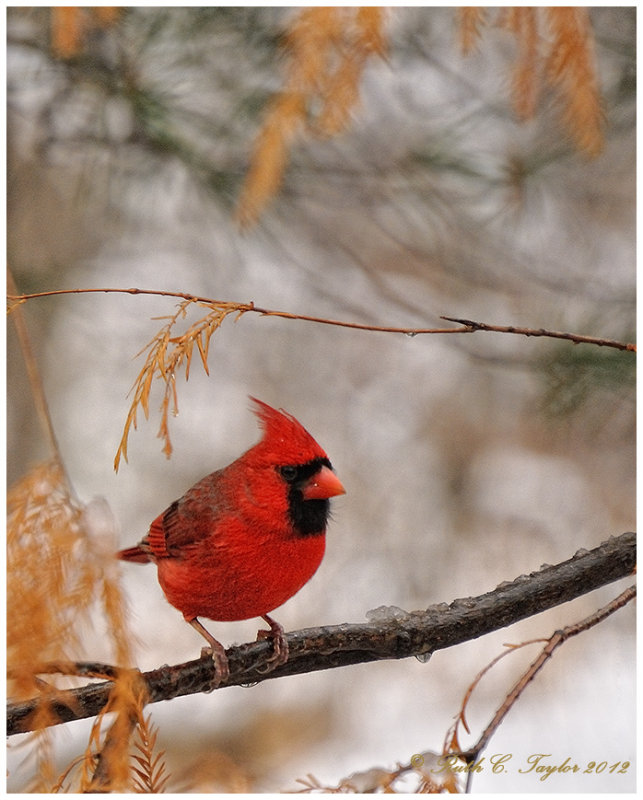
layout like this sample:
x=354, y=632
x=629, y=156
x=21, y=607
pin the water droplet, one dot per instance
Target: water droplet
x=248, y=685
x=411, y=334
x=423, y=658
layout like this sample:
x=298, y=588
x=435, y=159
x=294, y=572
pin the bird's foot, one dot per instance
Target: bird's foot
x=221, y=667
x=279, y=643
x=217, y=653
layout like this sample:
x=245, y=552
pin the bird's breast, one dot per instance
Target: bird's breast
x=241, y=577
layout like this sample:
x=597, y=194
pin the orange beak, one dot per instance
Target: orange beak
x=322, y=485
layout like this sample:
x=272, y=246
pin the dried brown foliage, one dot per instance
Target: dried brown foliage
x=327, y=49
x=70, y=26
x=570, y=68
x=58, y=576
x=165, y=356
x=110, y=750
x=149, y=775
x=107, y=763
x=522, y=22
x=470, y=18
x=56, y=573
x=555, y=51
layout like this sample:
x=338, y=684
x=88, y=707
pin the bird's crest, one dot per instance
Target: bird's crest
x=284, y=436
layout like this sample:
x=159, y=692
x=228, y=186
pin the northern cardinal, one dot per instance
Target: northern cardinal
x=245, y=538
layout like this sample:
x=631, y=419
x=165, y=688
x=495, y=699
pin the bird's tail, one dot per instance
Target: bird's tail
x=136, y=554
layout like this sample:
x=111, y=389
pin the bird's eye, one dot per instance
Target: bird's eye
x=288, y=473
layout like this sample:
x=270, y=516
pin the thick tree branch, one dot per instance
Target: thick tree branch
x=418, y=633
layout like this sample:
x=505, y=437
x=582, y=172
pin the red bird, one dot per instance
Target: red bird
x=246, y=538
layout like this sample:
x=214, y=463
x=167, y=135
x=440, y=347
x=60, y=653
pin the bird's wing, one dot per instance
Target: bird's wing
x=187, y=521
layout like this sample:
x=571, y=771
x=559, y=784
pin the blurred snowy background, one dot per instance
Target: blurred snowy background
x=467, y=459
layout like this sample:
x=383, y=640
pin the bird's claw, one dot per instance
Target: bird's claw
x=216, y=651
x=279, y=644
x=221, y=667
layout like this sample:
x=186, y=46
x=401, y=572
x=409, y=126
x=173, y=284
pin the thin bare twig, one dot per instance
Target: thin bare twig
x=167, y=352
x=451, y=743
x=33, y=374
x=467, y=326
x=555, y=640
x=572, y=337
